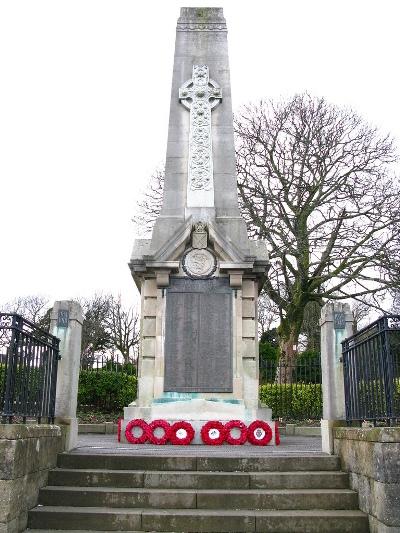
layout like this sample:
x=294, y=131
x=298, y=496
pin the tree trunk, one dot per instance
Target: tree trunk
x=289, y=336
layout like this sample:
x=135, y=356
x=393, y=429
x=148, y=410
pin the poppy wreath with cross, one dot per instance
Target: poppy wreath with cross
x=213, y=433
x=259, y=433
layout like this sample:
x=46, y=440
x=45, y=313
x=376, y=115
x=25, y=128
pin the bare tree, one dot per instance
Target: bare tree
x=96, y=339
x=268, y=313
x=33, y=307
x=362, y=307
x=123, y=328
x=310, y=327
x=149, y=205
x=315, y=181
x=108, y=328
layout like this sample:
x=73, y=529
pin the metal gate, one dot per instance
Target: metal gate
x=28, y=370
x=371, y=366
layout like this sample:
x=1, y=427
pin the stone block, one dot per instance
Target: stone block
x=13, y=458
x=147, y=368
x=248, y=289
x=248, y=308
x=376, y=526
x=10, y=527
x=33, y=454
x=91, y=428
x=150, y=307
x=249, y=328
x=33, y=482
x=22, y=431
x=148, y=348
x=380, y=461
x=290, y=429
x=150, y=288
x=149, y=327
x=386, y=502
x=250, y=370
x=110, y=428
x=248, y=348
x=308, y=431
x=12, y=498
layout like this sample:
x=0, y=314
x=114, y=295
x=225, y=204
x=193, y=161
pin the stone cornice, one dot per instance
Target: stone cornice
x=196, y=26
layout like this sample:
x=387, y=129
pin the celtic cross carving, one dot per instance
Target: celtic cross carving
x=200, y=95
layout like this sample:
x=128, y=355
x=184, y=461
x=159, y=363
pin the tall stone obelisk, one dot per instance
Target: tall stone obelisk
x=199, y=275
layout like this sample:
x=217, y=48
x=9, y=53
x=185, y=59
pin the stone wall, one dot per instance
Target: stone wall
x=27, y=453
x=372, y=458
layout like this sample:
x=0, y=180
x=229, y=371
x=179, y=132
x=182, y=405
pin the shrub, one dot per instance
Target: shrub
x=106, y=391
x=293, y=401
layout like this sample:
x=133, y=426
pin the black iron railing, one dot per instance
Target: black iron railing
x=292, y=391
x=28, y=370
x=371, y=369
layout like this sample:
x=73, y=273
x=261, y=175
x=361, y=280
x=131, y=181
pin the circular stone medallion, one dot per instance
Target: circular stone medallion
x=199, y=263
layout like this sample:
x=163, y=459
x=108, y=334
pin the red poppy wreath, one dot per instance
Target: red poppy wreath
x=235, y=424
x=259, y=433
x=181, y=433
x=163, y=424
x=137, y=422
x=213, y=433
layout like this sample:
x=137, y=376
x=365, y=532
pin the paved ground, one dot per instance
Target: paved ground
x=92, y=443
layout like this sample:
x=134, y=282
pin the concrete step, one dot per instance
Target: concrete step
x=198, y=480
x=199, y=498
x=199, y=520
x=210, y=464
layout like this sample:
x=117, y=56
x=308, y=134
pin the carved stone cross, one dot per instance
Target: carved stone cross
x=200, y=95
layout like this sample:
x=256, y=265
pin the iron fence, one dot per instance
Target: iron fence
x=371, y=370
x=28, y=370
x=293, y=391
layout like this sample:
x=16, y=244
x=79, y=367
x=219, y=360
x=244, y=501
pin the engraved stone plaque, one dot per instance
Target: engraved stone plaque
x=339, y=320
x=62, y=318
x=198, y=336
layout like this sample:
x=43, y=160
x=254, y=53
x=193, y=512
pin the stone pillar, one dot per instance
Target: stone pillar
x=336, y=325
x=66, y=324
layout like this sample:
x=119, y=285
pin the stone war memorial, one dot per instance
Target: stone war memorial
x=199, y=275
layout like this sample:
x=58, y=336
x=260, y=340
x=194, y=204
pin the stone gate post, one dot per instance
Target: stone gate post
x=336, y=325
x=66, y=324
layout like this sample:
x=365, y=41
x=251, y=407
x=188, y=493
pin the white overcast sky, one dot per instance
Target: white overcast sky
x=84, y=102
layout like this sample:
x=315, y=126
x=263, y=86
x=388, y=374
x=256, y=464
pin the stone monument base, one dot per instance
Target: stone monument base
x=197, y=411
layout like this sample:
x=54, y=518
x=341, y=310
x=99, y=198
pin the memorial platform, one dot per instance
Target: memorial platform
x=108, y=444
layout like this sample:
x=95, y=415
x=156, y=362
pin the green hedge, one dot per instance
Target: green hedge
x=293, y=402
x=106, y=391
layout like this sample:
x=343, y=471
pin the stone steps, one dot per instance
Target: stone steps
x=193, y=494
x=198, y=480
x=199, y=498
x=209, y=464
x=161, y=520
